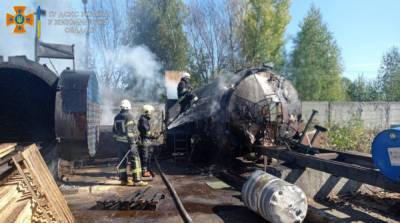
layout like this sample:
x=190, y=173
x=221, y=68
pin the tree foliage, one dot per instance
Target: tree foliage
x=263, y=31
x=362, y=89
x=107, y=39
x=158, y=24
x=389, y=74
x=315, y=61
x=212, y=28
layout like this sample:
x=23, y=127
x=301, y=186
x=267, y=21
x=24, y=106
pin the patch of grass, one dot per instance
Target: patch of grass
x=351, y=136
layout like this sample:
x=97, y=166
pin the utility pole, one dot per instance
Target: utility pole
x=87, y=34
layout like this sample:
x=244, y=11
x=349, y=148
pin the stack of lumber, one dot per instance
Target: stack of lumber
x=30, y=194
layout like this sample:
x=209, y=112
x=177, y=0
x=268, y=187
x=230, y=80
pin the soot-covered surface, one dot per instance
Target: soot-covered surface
x=27, y=107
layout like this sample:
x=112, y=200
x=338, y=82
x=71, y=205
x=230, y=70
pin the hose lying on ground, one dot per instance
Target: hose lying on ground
x=182, y=211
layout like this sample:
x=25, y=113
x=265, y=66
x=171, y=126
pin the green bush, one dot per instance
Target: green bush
x=351, y=136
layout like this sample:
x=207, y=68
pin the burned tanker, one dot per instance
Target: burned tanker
x=252, y=107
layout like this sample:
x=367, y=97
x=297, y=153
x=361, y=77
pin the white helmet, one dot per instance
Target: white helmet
x=186, y=75
x=125, y=105
x=148, y=109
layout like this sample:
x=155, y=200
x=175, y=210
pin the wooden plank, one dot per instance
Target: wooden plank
x=9, y=195
x=50, y=181
x=6, y=146
x=27, y=183
x=6, y=152
x=40, y=173
x=13, y=210
x=25, y=215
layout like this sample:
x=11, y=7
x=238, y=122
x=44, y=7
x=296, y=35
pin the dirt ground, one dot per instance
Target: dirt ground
x=89, y=184
x=204, y=204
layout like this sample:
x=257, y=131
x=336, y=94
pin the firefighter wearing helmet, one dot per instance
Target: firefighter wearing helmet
x=185, y=95
x=146, y=135
x=124, y=135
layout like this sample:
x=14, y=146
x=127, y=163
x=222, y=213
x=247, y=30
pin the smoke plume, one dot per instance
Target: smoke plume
x=141, y=79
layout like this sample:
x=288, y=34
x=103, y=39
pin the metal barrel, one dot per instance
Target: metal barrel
x=274, y=199
x=386, y=153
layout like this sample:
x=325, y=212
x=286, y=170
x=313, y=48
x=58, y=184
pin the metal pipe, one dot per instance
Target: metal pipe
x=182, y=211
x=318, y=130
x=314, y=112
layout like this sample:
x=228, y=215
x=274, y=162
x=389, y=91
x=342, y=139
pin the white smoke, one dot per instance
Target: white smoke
x=171, y=88
x=143, y=72
x=109, y=105
x=142, y=77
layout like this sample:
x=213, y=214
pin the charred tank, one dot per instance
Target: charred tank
x=253, y=106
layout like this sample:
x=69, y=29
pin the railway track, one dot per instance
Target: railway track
x=182, y=211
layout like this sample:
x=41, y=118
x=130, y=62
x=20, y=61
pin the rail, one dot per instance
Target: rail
x=182, y=211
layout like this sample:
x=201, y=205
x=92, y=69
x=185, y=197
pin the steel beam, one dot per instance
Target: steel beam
x=343, y=156
x=336, y=168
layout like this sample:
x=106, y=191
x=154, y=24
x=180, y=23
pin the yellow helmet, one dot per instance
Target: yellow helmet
x=148, y=109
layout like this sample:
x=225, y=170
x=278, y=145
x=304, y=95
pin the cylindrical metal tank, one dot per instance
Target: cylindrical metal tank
x=253, y=106
x=263, y=103
x=386, y=153
x=274, y=199
x=78, y=114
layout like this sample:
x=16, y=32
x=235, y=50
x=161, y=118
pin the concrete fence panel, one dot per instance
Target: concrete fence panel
x=375, y=115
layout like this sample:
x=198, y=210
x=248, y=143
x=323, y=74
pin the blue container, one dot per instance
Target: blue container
x=386, y=153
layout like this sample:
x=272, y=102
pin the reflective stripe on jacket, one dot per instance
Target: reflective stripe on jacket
x=124, y=127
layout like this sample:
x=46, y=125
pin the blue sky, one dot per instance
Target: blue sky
x=363, y=29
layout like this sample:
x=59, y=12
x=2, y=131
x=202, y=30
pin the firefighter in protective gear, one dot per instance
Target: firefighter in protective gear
x=185, y=95
x=145, y=148
x=124, y=135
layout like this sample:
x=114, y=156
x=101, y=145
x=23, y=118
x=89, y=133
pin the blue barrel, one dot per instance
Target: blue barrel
x=386, y=153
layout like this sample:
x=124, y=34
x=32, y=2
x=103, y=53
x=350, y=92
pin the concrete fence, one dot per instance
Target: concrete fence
x=375, y=115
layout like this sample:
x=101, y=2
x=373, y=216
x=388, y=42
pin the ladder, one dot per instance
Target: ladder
x=181, y=144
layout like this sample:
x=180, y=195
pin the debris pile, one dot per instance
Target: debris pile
x=139, y=200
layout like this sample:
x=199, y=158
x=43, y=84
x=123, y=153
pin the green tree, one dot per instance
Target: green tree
x=263, y=31
x=389, y=74
x=158, y=24
x=363, y=90
x=315, y=61
x=346, y=84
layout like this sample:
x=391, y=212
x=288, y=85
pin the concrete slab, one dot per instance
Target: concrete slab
x=314, y=183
